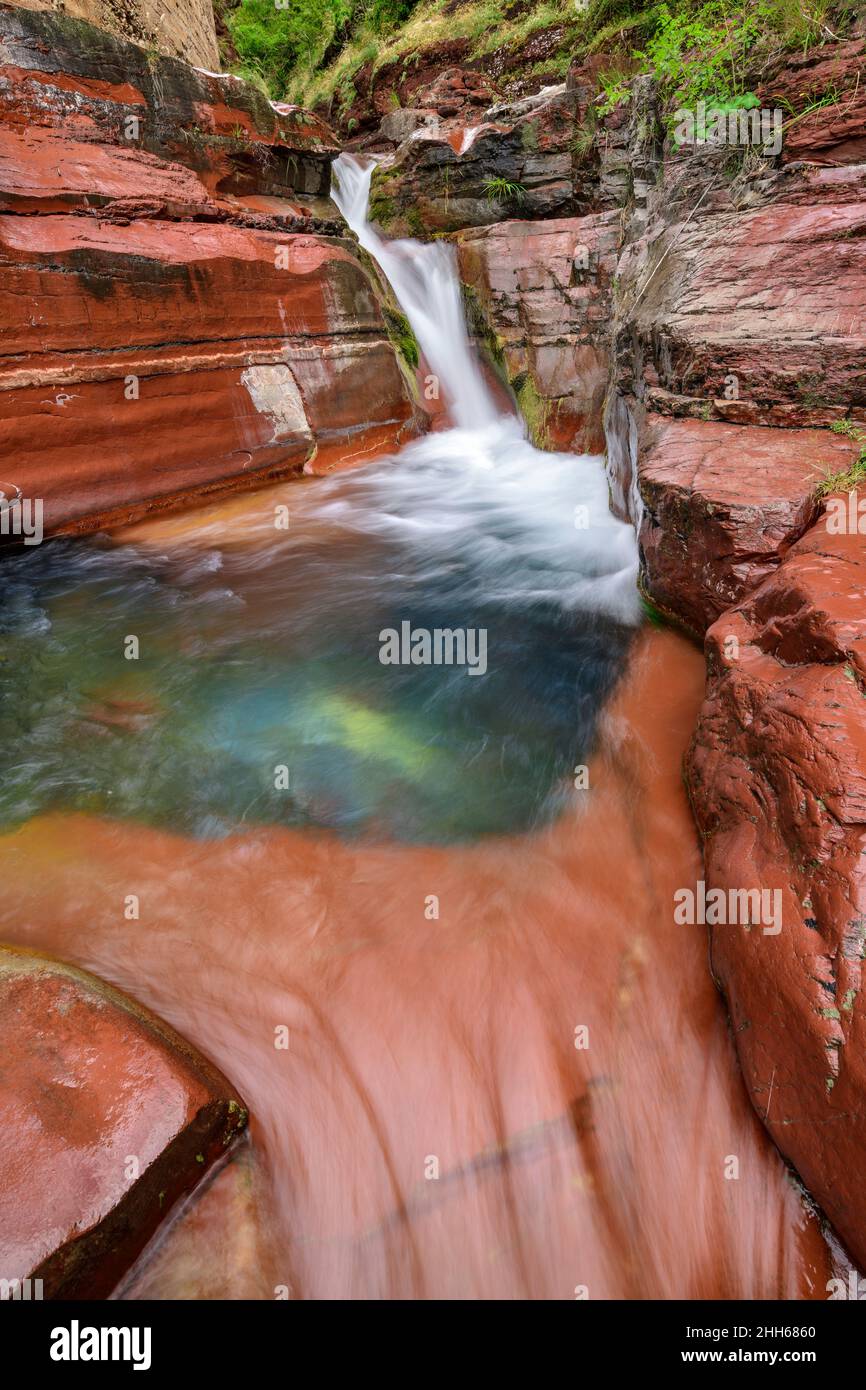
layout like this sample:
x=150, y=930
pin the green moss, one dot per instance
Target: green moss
x=534, y=409
x=481, y=329
x=401, y=335
x=382, y=211
x=414, y=222
x=529, y=136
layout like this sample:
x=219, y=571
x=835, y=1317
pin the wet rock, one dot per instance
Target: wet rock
x=777, y=782
x=721, y=504
x=542, y=293
x=215, y=1248
x=108, y=1117
x=174, y=325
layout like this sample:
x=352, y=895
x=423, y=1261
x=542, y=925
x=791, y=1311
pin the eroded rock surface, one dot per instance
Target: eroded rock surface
x=721, y=503
x=777, y=775
x=107, y=1117
x=543, y=290
x=165, y=239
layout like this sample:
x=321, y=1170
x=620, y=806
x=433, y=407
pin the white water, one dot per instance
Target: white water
x=479, y=500
x=424, y=279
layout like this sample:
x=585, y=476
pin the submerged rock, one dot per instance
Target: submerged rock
x=107, y=1117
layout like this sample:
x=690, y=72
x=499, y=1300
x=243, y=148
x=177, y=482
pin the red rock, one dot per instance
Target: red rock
x=774, y=297
x=168, y=331
x=544, y=290
x=216, y=1247
x=835, y=132
x=777, y=776
x=721, y=505
x=108, y=1117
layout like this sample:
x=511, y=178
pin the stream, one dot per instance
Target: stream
x=446, y=885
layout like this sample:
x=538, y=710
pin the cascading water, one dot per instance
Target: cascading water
x=431, y=905
x=469, y=529
x=424, y=279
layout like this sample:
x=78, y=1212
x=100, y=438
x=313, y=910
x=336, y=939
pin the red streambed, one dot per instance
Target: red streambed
x=413, y=1039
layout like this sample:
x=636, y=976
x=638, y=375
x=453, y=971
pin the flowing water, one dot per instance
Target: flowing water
x=508, y=1072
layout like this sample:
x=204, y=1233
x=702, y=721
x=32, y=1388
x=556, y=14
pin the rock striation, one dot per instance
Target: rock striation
x=182, y=311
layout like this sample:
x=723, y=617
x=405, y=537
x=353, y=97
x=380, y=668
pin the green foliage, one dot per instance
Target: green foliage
x=616, y=89
x=501, y=190
x=701, y=53
x=273, y=43
x=855, y=475
x=708, y=48
x=311, y=50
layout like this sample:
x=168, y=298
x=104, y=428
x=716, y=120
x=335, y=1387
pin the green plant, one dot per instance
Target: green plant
x=616, y=89
x=851, y=477
x=401, y=335
x=501, y=190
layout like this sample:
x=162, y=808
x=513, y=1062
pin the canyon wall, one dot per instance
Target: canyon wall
x=736, y=416
x=183, y=312
x=180, y=28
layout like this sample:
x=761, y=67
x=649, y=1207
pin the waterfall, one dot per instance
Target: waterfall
x=537, y=524
x=425, y=280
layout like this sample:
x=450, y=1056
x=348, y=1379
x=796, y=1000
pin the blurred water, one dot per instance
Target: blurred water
x=413, y=1036
x=262, y=650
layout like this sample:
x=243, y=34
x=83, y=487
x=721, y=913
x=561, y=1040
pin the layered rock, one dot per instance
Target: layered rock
x=540, y=300
x=229, y=338
x=721, y=504
x=777, y=776
x=827, y=88
x=511, y=160
x=182, y=28
x=108, y=1118
x=739, y=343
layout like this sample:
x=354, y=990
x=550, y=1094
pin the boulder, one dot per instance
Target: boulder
x=108, y=1118
x=721, y=504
